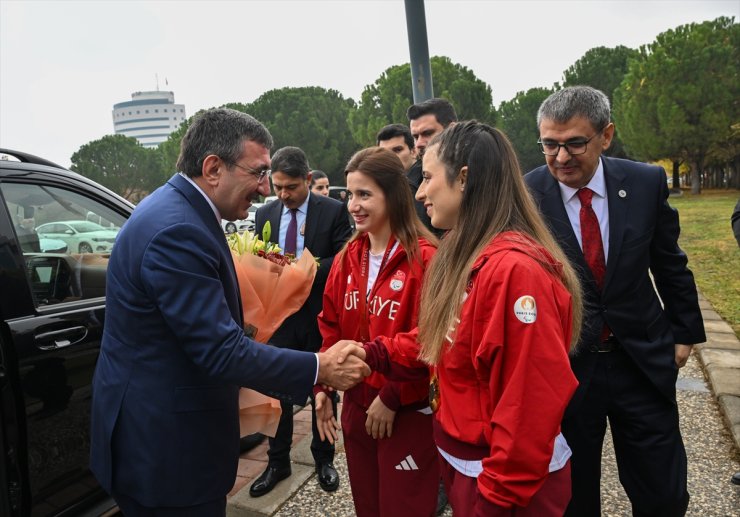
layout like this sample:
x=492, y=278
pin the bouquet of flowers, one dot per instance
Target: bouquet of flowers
x=272, y=286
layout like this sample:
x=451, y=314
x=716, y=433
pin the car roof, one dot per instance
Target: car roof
x=30, y=165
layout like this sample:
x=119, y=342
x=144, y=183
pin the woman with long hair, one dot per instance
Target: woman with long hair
x=373, y=292
x=500, y=309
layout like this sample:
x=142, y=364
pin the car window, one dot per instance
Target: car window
x=66, y=239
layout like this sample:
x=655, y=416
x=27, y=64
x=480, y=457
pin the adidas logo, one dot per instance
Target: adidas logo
x=408, y=463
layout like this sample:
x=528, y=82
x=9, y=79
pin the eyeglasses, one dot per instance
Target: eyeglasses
x=259, y=173
x=573, y=147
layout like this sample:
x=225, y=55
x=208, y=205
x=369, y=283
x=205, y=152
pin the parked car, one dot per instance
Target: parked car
x=80, y=236
x=52, y=310
x=242, y=225
x=336, y=193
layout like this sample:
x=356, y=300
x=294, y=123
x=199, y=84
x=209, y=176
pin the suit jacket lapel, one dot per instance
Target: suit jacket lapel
x=552, y=205
x=274, y=217
x=615, y=179
x=312, y=217
x=204, y=211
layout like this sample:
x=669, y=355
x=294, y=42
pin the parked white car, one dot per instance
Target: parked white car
x=80, y=236
x=241, y=225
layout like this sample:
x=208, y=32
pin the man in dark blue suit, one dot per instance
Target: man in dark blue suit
x=631, y=345
x=320, y=225
x=165, y=428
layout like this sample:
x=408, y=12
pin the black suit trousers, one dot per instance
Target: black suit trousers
x=279, y=452
x=647, y=441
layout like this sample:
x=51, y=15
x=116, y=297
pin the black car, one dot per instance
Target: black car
x=52, y=308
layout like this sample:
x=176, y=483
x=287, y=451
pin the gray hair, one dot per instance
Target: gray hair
x=219, y=131
x=576, y=101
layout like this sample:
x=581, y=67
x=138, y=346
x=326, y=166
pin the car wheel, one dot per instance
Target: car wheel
x=85, y=248
x=230, y=228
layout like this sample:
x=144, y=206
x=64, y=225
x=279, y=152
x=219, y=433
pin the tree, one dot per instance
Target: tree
x=387, y=99
x=121, y=164
x=519, y=122
x=687, y=81
x=169, y=150
x=312, y=118
x=603, y=68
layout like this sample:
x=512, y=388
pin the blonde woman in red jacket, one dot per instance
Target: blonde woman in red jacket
x=500, y=310
x=373, y=290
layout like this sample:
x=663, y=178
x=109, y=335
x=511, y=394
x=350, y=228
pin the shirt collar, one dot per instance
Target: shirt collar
x=302, y=209
x=597, y=185
x=213, y=207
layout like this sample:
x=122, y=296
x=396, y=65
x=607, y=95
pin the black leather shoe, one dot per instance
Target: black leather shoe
x=267, y=480
x=328, y=477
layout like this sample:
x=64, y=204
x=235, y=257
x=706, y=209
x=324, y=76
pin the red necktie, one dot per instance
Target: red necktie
x=292, y=234
x=593, y=247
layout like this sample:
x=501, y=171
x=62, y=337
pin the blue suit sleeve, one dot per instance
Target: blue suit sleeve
x=182, y=270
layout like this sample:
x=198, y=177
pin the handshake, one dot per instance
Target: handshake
x=343, y=365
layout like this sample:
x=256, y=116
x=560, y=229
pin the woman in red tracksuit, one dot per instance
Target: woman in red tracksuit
x=499, y=311
x=373, y=290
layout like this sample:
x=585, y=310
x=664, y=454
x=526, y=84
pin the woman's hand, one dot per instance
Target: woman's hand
x=326, y=422
x=379, y=423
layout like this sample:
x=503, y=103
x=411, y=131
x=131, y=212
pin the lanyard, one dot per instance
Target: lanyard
x=364, y=274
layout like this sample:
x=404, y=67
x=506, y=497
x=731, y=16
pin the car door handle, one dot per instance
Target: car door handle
x=61, y=338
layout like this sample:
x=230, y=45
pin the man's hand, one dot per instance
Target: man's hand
x=345, y=350
x=682, y=354
x=326, y=422
x=379, y=423
x=344, y=374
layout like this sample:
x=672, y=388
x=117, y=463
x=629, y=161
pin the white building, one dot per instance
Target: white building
x=149, y=117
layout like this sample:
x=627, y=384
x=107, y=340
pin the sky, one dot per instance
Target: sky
x=64, y=64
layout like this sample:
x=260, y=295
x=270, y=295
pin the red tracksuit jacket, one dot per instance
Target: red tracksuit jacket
x=506, y=380
x=393, y=307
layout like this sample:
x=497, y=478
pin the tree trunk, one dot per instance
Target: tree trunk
x=695, y=178
x=676, y=187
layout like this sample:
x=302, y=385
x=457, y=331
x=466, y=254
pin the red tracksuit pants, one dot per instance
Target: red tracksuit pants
x=389, y=477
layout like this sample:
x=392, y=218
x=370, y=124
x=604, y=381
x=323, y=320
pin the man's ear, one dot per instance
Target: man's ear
x=212, y=169
x=608, y=136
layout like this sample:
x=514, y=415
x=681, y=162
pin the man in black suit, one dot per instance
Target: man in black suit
x=631, y=346
x=299, y=221
x=427, y=119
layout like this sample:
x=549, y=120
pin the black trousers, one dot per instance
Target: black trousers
x=650, y=454
x=279, y=452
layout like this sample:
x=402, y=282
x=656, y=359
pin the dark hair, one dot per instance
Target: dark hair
x=394, y=130
x=576, y=101
x=291, y=161
x=440, y=108
x=219, y=131
x=384, y=167
x=317, y=175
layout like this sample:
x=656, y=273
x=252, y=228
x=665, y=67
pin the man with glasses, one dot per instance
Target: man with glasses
x=165, y=401
x=300, y=220
x=612, y=219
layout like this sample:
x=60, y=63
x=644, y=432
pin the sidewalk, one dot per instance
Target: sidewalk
x=719, y=357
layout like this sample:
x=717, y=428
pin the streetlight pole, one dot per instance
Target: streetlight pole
x=421, y=70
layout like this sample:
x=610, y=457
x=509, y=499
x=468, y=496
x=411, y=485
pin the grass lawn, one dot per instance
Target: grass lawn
x=714, y=256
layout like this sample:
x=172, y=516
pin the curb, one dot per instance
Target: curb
x=720, y=358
